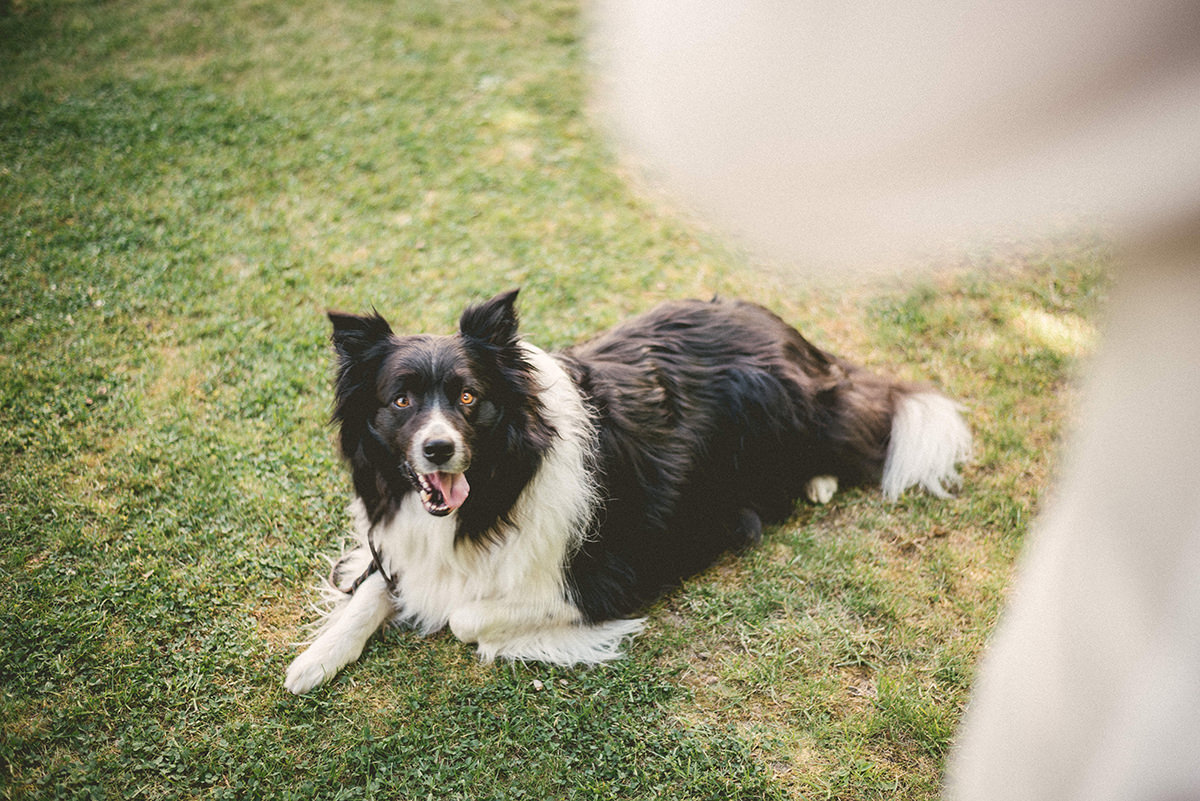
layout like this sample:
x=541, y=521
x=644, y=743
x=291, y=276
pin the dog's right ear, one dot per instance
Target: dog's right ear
x=493, y=322
x=354, y=335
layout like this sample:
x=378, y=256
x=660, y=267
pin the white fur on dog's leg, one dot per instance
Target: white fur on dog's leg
x=343, y=635
x=820, y=489
x=490, y=619
x=466, y=623
x=540, y=633
x=565, y=645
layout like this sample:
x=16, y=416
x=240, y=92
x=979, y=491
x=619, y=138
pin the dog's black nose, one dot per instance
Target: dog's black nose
x=439, y=451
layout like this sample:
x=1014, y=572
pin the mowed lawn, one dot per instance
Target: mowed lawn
x=186, y=187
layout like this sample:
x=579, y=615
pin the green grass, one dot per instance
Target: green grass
x=186, y=186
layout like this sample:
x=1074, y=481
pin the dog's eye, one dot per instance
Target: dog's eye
x=467, y=397
x=402, y=402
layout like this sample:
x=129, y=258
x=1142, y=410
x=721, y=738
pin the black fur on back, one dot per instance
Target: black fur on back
x=712, y=417
x=508, y=432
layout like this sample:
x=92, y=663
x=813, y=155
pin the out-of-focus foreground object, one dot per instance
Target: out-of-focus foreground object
x=838, y=136
x=848, y=134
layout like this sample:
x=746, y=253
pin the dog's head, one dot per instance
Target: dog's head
x=448, y=417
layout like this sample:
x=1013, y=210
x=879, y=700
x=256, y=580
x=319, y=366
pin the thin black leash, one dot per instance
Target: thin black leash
x=376, y=566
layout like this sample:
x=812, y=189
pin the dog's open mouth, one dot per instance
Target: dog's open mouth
x=441, y=493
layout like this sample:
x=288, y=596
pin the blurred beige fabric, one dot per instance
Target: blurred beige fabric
x=842, y=133
x=846, y=136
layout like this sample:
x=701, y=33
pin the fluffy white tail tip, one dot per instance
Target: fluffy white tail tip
x=929, y=440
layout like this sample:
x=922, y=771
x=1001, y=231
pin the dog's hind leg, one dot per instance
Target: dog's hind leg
x=820, y=489
x=748, y=528
x=343, y=635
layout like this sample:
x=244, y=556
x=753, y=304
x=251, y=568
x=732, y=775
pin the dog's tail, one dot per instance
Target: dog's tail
x=928, y=441
x=895, y=433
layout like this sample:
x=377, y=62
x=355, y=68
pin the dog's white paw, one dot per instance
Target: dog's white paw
x=343, y=635
x=307, y=672
x=466, y=623
x=820, y=489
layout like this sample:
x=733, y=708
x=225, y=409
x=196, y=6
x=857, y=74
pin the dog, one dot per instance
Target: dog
x=534, y=503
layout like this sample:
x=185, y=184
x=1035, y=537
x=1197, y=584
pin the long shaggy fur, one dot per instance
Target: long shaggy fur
x=534, y=503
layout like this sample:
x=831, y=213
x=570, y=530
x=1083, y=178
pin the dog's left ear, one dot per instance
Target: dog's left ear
x=493, y=322
x=354, y=335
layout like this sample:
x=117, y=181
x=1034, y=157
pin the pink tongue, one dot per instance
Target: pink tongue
x=453, y=486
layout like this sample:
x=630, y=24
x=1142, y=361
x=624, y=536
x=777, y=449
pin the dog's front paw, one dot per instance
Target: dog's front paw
x=307, y=672
x=466, y=624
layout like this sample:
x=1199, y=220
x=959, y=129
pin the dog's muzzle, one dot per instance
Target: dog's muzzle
x=441, y=493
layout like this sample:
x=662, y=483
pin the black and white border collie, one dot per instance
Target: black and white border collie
x=535, y=502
